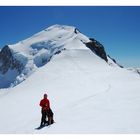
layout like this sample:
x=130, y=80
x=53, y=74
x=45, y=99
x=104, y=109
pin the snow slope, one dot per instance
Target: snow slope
x=87, y=96
x=30, y=54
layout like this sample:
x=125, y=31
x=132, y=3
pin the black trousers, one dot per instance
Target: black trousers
x=46, y=113
x=43, y=118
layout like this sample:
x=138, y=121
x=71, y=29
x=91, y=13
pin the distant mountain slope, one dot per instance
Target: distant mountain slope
x=136, y=70
x=19, y=61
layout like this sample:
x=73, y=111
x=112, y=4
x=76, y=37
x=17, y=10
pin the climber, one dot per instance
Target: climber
x=46, y=111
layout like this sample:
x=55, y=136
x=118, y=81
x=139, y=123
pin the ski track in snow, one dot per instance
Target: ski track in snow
x=89, y=97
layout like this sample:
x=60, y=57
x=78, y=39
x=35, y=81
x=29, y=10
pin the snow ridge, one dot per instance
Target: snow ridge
x=34, y=52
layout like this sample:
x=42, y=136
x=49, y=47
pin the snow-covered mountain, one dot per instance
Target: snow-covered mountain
x=88, y=90
x=136, y=70
x=20, y=60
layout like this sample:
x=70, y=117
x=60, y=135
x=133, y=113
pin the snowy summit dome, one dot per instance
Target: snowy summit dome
x=29, y=54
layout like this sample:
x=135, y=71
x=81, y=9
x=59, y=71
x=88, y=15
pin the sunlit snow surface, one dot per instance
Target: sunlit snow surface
x=87, y=94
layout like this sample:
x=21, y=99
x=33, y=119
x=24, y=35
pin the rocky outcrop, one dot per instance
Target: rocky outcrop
x=115, y=61
x=97, y=48
x=138, y=71
x=7, y=61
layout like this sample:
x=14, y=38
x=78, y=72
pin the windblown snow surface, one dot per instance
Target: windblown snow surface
x=87, y=95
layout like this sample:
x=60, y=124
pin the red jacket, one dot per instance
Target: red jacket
x=45, y=104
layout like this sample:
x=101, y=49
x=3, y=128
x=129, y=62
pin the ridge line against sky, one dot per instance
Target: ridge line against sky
x=117, y=28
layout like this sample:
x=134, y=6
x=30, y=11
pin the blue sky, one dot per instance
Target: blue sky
x=117, y=28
